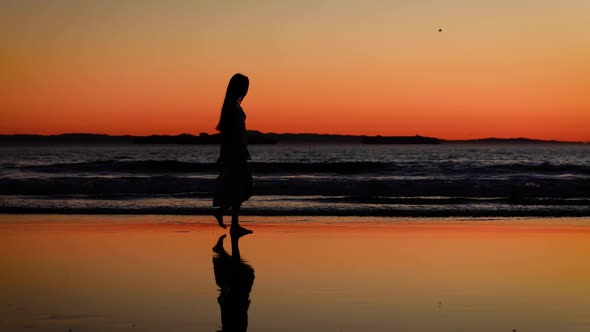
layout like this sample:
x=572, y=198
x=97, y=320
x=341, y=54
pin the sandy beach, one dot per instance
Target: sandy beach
x=156, y=273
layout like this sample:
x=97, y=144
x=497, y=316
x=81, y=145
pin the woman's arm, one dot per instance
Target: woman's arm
x=234, y=144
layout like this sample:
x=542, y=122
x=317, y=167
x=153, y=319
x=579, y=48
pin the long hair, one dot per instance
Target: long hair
x=236, y=88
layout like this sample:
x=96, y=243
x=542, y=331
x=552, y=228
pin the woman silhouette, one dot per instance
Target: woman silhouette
x=234, y=184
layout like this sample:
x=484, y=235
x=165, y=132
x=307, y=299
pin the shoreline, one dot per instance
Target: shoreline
x=417, y=213
x=209, y=221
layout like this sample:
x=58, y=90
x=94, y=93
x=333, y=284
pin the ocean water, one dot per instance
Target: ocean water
x=316, y=179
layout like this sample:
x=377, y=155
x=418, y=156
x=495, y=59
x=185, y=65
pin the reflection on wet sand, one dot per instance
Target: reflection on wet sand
x=106, y=273
x=235, y=278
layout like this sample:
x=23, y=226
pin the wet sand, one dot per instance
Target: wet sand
x=156, y=273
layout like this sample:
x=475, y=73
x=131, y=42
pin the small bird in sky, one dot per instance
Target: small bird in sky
x=439, y=30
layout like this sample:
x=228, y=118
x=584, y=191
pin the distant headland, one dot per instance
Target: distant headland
x=254, y=137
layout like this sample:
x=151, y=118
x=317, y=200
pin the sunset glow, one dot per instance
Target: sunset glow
x=498, y=68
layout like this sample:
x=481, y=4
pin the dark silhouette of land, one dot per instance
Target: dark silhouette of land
x=254, y=137
x=83, y=139
x=400, y=140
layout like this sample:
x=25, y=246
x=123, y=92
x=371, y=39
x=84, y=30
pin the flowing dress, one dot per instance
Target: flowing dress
x=234, y=183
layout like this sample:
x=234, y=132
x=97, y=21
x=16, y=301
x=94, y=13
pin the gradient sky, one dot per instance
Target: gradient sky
x=499, y=68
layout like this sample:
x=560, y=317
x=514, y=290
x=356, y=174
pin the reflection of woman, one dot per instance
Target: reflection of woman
x=234, y=184
x=235, y=279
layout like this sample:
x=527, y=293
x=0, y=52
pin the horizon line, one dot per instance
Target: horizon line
x=303, y=133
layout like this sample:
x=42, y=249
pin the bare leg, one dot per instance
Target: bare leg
x=218, y=214
x=235, y=247
x=236, y=229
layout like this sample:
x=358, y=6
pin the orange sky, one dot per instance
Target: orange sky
x=501, y=68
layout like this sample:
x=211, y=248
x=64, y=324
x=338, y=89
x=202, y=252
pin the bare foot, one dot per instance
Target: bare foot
x=219, y=245
x=239, y=230
x=218, y=214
